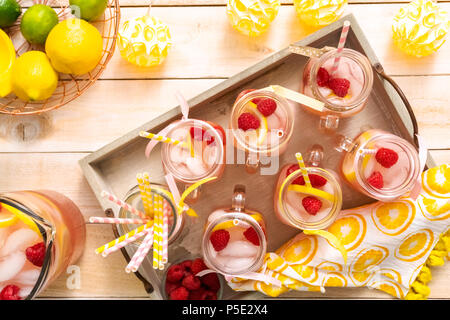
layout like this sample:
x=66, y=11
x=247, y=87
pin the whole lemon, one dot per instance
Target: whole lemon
x=74, y=46
x=33, y=77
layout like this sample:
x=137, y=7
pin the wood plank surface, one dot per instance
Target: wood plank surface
x=206, y=46
x=44, y=153
x=106, y=277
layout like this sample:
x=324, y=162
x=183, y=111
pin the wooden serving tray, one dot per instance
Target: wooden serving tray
x=114, y=167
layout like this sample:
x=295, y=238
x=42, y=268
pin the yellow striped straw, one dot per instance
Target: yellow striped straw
x=160, y=236
x=302, y=166
x=160, y=138
x=148, y=191
x=156, y=233
x=145, y=199
x=148, y=225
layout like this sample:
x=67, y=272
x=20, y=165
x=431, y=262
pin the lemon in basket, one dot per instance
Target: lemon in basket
x=88, y=10
x=74, y=46
x=7, y=57
x=33, y=77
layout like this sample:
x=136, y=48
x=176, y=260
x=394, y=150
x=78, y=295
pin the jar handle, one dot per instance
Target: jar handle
x=344, y=144
x=314, y=155
x=329, y=122
x=252, y=162
x=238, y=200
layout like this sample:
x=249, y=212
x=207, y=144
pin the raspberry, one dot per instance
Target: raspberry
x=247, y=121
x=211, y=280
x=251, y=235
x=36, y=254
x=312, y=205
x=210, y=295
x=175, y=273
x=198, y=294
x=198, y=265
x=386, y=157
x=266, y=106
x=10, y=292
x=180, y=293
x=376, y=180
x=323, y=77
x=340, y=86
x=170, y=286
x=186, y=265
x=219, y=239
x=316, y=180
x=191, y=282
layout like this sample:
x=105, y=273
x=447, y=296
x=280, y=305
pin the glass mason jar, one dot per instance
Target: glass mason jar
x=354, y=67
x=58, y=223
x=240, y=255
x=275, y=131
x=360, y=164
x=288, y=203
x=208, y=158
x=133, y=198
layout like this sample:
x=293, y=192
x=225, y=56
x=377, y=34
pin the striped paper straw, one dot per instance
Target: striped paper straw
x=148, y=191
x=341, y=45
x=141, y=252
x=126, y=236
x=302, y=166
x=117, y=220
x=160, y=234
x=165, y=237
x=156, y=233
x=146, y=201
x=367, y=151
x=125, y=242
x=161, y=138
x=122, y=204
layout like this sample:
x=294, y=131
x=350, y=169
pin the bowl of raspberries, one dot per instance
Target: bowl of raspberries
x=181, y=283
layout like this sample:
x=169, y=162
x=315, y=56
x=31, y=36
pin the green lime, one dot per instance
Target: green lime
x=9, y=12
x=37, y=22
x=88, y=9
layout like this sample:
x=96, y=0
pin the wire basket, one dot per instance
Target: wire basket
x=69, y=86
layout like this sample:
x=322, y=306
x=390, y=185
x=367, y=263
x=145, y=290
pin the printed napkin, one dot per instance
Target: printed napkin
x=388, y=244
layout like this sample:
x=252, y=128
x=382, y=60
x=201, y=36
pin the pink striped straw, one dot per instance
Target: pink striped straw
x=127, y=241
x=141, y=252
x=117, y=220
x=341, y=45
x=165, y=252
x=122, y=204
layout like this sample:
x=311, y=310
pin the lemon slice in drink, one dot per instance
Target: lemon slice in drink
x=7, y=218
x=22, y=216
x=230, y=223
x=312, y=191
x=262, y=131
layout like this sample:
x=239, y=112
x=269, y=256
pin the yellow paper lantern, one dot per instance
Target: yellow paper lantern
x=144, y=41
x=420, y=28
x=319, y=13
x=252, y=17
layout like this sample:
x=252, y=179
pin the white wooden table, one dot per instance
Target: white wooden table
x=206, y=51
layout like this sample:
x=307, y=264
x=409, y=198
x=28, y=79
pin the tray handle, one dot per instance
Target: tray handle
x=147, y=285
x=379, y=69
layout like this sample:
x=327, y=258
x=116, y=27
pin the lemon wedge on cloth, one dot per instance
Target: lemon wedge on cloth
x=7, y=58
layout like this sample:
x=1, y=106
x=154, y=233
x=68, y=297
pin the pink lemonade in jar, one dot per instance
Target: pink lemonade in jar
x=234, y=241
x=41, y=233
x=262, y=122
x=345, y=91
x=304, y=209
x=204, y=157
x=381, y=165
